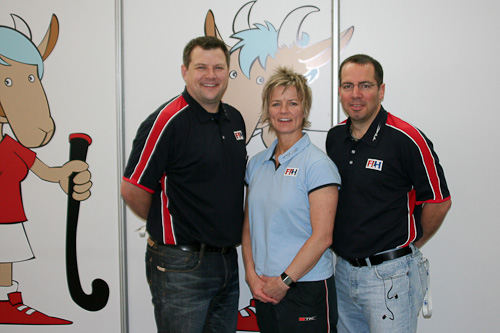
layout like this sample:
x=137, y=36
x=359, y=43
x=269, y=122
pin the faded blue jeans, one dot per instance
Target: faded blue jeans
x=193, y=292
x=383, y=298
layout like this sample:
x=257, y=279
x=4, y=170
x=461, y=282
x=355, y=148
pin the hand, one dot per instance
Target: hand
x=256, y=283
x=82, y=183
x=275, y=288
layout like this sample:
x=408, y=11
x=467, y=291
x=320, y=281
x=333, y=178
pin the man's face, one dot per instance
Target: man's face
x=206, y=77
x=361, y=105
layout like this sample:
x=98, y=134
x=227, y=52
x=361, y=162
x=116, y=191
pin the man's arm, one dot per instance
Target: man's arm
x=433, y=215
x=138, y=200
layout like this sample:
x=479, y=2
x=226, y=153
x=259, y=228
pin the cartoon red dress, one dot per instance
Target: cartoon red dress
x=15, y=163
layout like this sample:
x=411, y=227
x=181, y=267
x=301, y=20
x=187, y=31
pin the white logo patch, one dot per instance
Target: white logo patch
x=238, y=135
x=374, y=164
x=291, y=172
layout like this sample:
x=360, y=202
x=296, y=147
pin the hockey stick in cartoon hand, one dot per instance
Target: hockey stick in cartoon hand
x=97, y=300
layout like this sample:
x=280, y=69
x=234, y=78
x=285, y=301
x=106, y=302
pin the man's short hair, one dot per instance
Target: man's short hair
x=206, y=43
x=363, y=59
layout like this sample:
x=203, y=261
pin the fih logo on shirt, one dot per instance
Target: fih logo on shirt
x=291, y=172
x=374, y=164
x=238, y=135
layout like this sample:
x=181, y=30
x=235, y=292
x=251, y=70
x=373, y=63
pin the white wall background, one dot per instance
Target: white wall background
x=440, y=60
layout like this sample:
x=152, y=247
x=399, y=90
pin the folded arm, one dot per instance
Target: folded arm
x=136, y=198
x=433, y=215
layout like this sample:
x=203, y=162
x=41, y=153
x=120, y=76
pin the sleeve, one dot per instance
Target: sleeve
x=250, y=170
x=323, y=172
x=424, y=170
x=150, y=153
x=27, y=155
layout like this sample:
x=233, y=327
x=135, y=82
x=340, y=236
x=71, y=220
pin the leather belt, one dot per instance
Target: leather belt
x=192, y=247
x=377, y=259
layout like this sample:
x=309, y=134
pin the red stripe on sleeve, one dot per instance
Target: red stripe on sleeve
x=425, y=152
x=161, y=122
x=167, y=220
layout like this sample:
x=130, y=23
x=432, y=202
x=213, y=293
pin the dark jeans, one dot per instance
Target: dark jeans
x=193, y=291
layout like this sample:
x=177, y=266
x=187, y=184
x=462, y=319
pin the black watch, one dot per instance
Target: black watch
x=287, y=279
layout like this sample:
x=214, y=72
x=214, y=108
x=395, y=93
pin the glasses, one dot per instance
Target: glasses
x=361, y=86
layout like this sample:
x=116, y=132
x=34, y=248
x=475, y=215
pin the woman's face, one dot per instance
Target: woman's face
x=285, y=111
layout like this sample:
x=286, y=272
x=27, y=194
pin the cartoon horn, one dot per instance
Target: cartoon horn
x=97, y=300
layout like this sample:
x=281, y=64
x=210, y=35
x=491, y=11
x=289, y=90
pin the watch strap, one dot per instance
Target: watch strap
x=287, y=279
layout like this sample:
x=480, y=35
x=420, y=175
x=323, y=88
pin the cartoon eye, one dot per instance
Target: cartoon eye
x=233, y=74
x=260, y=80
x=31, y=78
x=8, y=82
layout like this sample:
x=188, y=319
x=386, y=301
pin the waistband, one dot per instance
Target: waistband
x=201, y=247
x=377, y=259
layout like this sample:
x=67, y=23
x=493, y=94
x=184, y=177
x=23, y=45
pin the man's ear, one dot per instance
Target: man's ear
x=183, y=71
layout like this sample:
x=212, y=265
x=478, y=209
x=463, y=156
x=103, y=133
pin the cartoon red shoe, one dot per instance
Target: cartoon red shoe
x=247, y=319
x=14, y=312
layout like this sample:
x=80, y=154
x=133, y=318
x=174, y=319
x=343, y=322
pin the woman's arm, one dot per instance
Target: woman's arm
x=323, y=205
x=253, y=280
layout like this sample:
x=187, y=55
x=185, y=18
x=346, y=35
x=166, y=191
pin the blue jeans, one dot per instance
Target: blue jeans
x=193, y=291
x=383, y=298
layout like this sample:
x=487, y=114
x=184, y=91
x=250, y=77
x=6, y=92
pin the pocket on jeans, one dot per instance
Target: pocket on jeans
x=392, y=269
x=175, y=260
x=394, y=275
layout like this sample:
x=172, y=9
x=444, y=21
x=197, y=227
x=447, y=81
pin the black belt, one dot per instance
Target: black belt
x=377, y=259
x=193, y=247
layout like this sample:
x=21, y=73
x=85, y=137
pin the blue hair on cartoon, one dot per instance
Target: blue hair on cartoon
x=257, y=43
x=16, y=46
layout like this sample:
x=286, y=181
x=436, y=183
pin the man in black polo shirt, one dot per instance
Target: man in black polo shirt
x=185, y=177
x=393, y=199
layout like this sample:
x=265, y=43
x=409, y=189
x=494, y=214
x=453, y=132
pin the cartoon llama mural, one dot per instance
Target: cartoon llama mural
x=261, y=49
x=24, y=108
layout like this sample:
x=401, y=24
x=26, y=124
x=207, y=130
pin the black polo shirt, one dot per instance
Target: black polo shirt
x=194, y=164
x=386, y=176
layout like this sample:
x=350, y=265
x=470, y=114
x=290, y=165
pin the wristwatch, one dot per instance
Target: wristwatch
x=287, y=279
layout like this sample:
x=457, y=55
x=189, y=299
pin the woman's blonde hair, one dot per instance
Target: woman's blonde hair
x=287, y=78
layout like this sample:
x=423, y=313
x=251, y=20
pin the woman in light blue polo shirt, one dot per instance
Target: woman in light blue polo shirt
x=291, y=202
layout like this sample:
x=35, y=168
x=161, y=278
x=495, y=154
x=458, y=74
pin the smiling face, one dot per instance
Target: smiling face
x=286, y=114
x=360, y=106
x=206, y=77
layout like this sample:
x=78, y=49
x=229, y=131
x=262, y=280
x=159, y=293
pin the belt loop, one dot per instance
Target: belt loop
x=368, y=262
x=413, y=248
x=202, y=250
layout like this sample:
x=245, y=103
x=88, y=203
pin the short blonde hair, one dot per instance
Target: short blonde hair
x=286, y=77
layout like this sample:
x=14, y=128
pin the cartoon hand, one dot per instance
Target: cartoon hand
x=81, y=180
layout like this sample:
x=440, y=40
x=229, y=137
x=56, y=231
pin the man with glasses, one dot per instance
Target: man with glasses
x=393, y=199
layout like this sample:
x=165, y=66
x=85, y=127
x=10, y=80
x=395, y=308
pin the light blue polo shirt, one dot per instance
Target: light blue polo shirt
x=278, y=201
